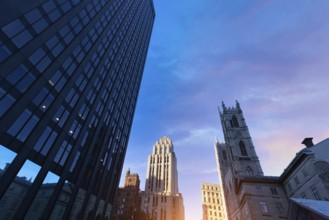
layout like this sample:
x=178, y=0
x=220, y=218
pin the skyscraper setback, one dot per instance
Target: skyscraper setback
x=161, y=199
x=69, y=81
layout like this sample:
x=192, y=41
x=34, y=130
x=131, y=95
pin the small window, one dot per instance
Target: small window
x=274, y=191
x=315, y=193
x=280, y=208
x=264, y=208
x=249, y=171
x=296, y=180
x=305, y=172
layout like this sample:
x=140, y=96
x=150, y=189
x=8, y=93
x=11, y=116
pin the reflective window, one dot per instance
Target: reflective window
x=17, y=74
x=43, y=64
x=62, y=201
x=47, y=102
x=49, y=143
x=37, y=56
x=57, y=49
x=25, y=82
x=63, y=153
x=49, y=6
x=41, y=95
x=54, y=15
x=75, y=161
x=22, y=38
x=4, y=52
x=6, y=157
x=33, y=16
x=42, y=139
x=52, y=42
x=13, y=28
x=42, y=197
x=60, y=83
x=18, y=189
x=6, y=102
x=18, y=124
x=28, y=128
x=64, y=30
x=63, y=118
x=40, y=25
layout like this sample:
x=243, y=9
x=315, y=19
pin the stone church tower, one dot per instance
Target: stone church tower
x=248, y=193
x=240, y=149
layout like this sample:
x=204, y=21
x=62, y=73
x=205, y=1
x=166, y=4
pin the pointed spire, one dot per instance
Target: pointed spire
x=216, y=140
x=224, y=107
x=237, y=104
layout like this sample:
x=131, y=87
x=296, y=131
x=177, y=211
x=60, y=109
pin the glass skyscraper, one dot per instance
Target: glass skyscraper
x=70, y=72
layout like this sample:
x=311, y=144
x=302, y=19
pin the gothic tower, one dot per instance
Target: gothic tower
x=240, y=149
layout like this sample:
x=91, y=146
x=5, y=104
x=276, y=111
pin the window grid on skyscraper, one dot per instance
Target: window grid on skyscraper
x=71, y=72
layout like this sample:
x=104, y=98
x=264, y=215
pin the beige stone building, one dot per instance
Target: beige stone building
x=161, y=198
x=251, y=195
x=213, y=205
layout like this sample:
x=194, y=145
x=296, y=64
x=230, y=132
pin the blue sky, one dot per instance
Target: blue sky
x=270, y=55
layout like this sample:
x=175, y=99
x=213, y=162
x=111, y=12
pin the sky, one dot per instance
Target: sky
x=270, y=55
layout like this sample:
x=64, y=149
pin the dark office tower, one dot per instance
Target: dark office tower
x=70, y=72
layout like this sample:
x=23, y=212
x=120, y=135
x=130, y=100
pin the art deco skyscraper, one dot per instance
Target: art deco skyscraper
x=69, y=81
x=161, y=198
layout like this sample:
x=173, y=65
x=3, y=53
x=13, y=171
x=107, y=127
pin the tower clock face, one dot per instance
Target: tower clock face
x=130, y=180
x=238, y=134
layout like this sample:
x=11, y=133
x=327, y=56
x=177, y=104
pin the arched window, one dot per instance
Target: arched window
x=224, y=155
x=235, y=122
x=249, y=171
x=243, y=149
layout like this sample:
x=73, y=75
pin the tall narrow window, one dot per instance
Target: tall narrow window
x=249, y=171
x=264, y=208
x=315, y=193
x=224, y=155
x=235, y=122
x=243, y=149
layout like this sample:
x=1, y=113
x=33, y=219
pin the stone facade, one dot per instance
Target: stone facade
x=126, y=199
x=213, y=205
x=251, y=195
x=248, y=193
x=161, y=198
x=307, y=176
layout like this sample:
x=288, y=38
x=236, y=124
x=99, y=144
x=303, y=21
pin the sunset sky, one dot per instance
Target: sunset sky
x=270, y=55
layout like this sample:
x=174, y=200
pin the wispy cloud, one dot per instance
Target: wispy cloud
x=270, y=55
